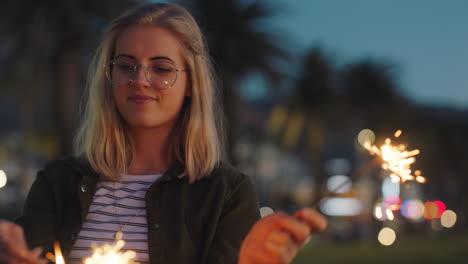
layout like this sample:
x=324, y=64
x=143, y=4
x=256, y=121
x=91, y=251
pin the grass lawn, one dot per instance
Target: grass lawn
x=422, y=249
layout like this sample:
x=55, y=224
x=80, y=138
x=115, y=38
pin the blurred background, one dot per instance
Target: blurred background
x=306, y=83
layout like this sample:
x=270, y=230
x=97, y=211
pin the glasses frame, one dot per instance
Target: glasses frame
x=146, y=68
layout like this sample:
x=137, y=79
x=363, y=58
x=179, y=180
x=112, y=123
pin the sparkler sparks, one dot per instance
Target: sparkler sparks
x=102, y=255
x=111, y=253
x=58, y=257
x=397, y=160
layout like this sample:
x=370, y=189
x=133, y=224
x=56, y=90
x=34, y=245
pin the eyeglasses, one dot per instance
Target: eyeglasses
x=161, y=74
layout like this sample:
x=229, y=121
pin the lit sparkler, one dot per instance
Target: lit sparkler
x=58, y=257
x=397, y=160
x=102, y=255
x=111, y=253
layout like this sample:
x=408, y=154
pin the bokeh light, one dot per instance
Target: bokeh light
x=393, y=202
x=341, y=207
x=386, y=236
x=382, y=212
x=366, y=136
x=412, y=209
x=3, y=179
x=389, y=214
x=434, y=210
x=430, y=210
x=378, y=212
x=265, y=211
x=441, y=208
x=339, y=183
x=448, y=219
x=390, y=188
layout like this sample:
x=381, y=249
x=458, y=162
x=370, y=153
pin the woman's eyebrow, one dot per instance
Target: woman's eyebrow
x=125, y=55
x=152, y=58
x=161, y=58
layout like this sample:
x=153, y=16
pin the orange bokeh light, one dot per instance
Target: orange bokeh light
x=434, y=210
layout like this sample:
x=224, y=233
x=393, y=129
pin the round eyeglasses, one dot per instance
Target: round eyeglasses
x=161, y=74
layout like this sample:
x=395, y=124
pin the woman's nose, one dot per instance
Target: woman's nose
x=140, y=77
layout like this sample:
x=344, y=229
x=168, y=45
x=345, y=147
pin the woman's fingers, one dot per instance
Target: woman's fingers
x=314, y=219
x=36, y=252
x=296, y=228
x=281, y=253
x=278, y=237
x=13, y=248
x=281, y=244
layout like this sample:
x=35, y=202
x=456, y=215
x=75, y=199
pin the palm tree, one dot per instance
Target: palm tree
x=45, y=44
x=315, y=85
x=299, y=126
x=371, y=85
x=373, y=93
x=316, y=99
x=239, y=47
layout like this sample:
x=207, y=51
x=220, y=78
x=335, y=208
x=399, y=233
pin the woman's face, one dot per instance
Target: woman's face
x=140, y=101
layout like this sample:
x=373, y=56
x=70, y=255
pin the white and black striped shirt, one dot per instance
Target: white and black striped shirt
x=116, y=206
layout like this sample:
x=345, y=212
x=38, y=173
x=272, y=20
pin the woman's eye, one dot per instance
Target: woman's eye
x=124, y=66
x=159, y=69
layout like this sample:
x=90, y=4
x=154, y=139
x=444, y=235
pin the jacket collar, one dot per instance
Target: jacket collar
x=172, y=174
x=82, y=165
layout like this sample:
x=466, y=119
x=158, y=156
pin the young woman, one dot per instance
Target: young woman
x=148, y=162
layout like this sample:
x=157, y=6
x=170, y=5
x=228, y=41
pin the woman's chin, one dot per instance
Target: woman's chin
x=146, y=124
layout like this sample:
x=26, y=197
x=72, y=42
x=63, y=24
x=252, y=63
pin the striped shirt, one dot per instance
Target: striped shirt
x=116, y=206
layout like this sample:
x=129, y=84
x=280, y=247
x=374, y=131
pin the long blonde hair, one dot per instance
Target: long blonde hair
x=197, y=141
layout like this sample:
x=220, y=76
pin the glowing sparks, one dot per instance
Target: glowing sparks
x=111, y=253
x=398, y=133
x=101, y=255
x=397, y=160
x=420, y=179
x=58, y=254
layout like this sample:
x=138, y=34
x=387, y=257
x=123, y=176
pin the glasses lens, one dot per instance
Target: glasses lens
x=162, y=74
x=119, y=72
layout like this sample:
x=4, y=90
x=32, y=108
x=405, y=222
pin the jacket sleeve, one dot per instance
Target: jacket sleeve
x=239, y=214
x=38, y=218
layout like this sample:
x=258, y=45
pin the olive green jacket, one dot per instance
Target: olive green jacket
x=203, y=222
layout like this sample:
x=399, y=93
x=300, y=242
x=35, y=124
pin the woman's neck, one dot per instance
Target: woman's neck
x=150, y=151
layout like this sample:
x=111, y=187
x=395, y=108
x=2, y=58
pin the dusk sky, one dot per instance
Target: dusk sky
x=427, y=39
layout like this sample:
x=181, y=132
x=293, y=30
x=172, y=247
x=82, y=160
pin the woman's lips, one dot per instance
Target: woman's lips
x=141, y=99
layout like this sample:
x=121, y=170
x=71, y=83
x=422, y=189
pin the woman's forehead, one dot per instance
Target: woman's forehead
x=144, y=43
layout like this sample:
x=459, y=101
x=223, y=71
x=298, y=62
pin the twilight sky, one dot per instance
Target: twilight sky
x=428, y=39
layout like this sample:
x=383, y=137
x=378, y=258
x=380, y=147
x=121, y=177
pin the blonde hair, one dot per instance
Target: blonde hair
x=196, y=143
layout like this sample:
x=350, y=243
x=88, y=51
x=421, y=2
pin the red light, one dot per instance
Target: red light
x=441, y=208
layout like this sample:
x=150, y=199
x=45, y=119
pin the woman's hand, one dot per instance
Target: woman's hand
x=13, y=247
x=277, y=238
